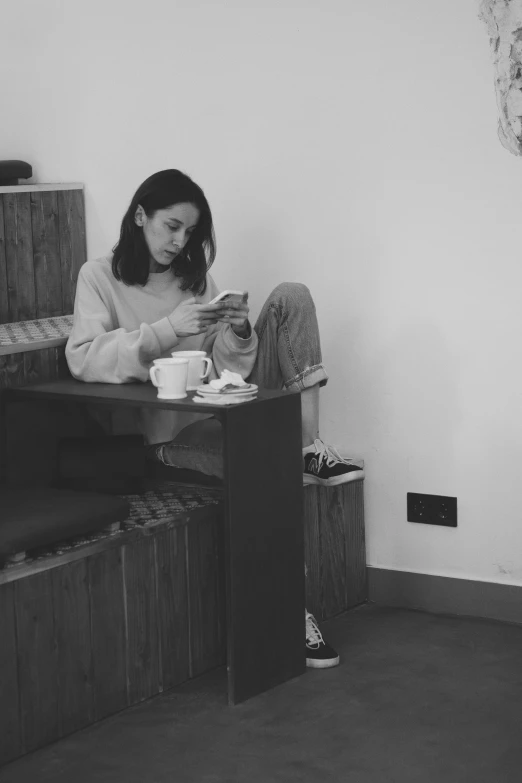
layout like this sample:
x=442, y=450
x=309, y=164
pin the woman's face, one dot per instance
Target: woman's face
x=167, y=232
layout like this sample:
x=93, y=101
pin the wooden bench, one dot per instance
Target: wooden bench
x=94, y=625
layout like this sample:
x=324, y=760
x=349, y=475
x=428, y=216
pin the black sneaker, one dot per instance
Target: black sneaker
x=324, y=465
x=319, y=654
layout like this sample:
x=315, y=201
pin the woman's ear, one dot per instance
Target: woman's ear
x=139, y=216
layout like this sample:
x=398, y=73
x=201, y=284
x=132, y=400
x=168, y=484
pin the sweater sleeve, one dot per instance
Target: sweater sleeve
x=97, y=351
x=227, y=350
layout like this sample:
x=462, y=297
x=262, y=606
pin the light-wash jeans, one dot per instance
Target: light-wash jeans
x=288, y=357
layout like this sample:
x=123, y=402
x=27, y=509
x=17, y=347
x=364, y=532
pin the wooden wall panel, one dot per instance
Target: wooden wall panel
x=12, y=370
x=357, y=584
x=312, y=545
x=42, y=247
x=334, y=548
x=207, y=642
x=37, y=661
x=139, y=569
x=172, y=606
x=72, y=242
x=19, y=256
x=4, y=297
x=109, y=631
x=10, y=739
x=72, y=628
x=46, y=254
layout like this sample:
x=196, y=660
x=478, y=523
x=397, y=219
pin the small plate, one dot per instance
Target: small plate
x=205, y=389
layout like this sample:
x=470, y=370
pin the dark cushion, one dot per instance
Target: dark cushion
x=38, y=516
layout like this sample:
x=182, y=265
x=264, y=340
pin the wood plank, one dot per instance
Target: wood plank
x=73, y=640
x=356, y=585
x=173, y=616
x=312, y=544
x=37, y=661
x=4, y=298
x=108, y=632
x=19, y=256
x=142, y=620
x=12, y=371
x=10, y=737
x=73, y=250
x=333, y=550
x=207, y=642
x=41, y=187
x=46, y=254
x=45, y=344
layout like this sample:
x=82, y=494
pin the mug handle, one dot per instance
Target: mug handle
x=209, y=368
x=152, y=373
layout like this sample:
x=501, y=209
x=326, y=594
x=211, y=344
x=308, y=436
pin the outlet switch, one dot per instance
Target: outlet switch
x=432, y=509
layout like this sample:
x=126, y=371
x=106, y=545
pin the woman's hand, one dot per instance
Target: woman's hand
x=191, y=318
x=235, y=314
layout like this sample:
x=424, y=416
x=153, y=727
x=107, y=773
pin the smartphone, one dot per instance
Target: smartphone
x=229, y=296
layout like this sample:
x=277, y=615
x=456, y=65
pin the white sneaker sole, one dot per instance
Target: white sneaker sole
x=355, y=475
x=328, y=663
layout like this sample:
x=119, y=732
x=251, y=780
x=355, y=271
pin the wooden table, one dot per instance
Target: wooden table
x=264, y=547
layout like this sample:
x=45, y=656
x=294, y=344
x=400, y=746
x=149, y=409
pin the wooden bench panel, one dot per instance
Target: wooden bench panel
x=108, y=632
x=86, y=636
x=10, y=730
x=42, y=247
x=335, y=552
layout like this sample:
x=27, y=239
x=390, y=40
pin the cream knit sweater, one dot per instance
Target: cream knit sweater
x=119, y=330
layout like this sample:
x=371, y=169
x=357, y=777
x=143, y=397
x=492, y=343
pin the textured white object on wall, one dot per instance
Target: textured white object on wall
x=504, y=22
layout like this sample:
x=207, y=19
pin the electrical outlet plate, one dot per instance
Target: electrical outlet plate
x=432, y=509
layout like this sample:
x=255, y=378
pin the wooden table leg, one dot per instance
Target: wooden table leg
x=264, y=545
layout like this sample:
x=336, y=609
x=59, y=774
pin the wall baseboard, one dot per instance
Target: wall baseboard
x=445, y=595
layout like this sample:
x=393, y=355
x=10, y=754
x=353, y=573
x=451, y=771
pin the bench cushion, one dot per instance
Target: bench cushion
x=34, y=517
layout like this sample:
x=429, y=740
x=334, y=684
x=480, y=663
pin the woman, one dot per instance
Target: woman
x=152, y=296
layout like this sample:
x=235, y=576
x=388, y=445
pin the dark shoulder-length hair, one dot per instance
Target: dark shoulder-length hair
x=130, y=262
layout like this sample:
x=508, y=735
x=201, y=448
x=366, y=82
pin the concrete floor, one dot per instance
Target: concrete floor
x=418, y=698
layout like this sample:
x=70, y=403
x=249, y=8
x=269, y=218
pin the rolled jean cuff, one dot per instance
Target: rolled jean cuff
x=202, y=458
x=308, y=378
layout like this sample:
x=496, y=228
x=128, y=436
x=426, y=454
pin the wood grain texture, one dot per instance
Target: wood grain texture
x=37, y=661
x=173, y=620
x=139, y=568
x=10, y=738
x=108, y=632
x=19, y=256
x=72, y=624
x=312, y=544
x=46, y=254
x=73, y=252
x=12, y=371
x=333, y=549
x=207, y=643
x=357, y=581
x=4, y=298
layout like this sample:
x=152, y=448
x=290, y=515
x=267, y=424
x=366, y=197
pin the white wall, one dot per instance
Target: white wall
x=349, y=145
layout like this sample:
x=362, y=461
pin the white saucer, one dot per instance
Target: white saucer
x=205, y=389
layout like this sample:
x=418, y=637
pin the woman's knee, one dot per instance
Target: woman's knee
x=294, y=293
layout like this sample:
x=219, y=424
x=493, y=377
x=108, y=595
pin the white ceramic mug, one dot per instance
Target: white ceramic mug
x=196, y=372
x=170, y=377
